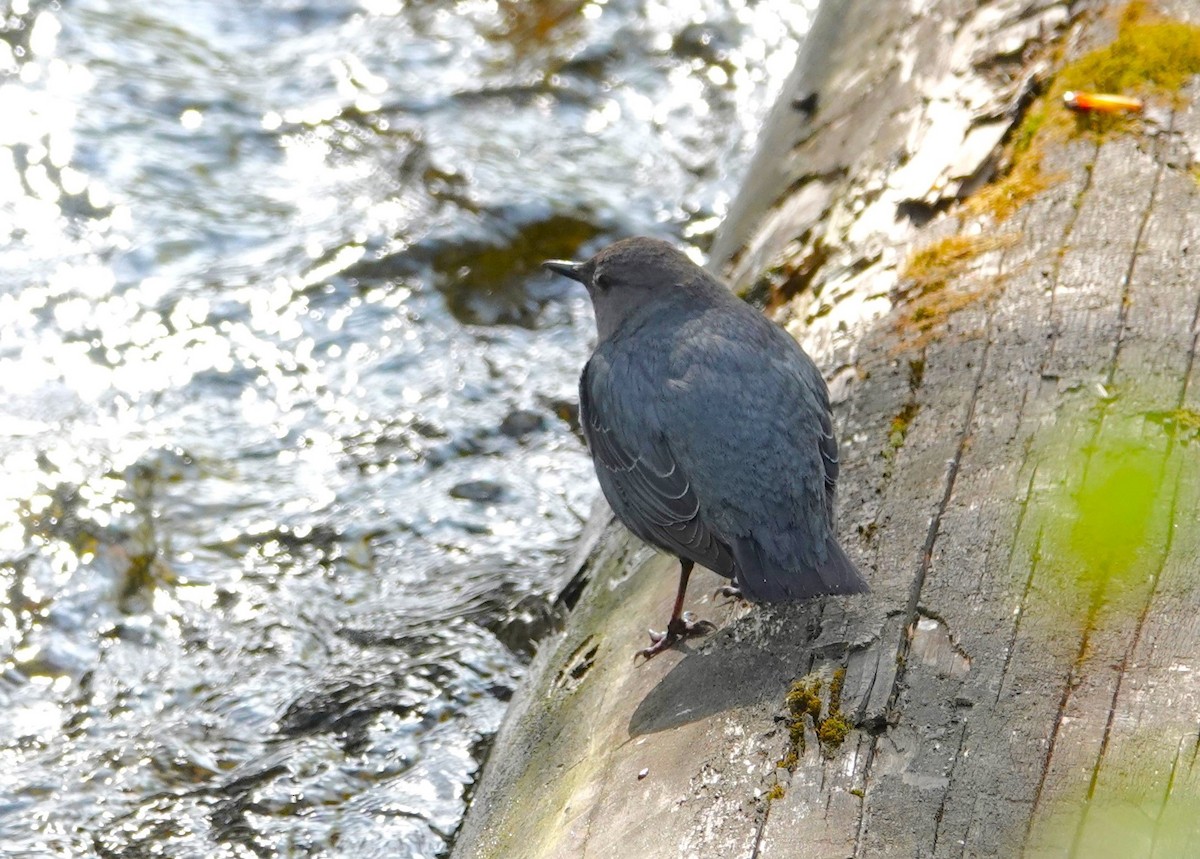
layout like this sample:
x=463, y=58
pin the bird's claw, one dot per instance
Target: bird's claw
x=678, y=629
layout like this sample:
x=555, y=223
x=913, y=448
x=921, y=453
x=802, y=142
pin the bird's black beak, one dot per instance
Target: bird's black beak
x=573, y=270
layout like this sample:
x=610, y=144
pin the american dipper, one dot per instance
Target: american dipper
x=710, y=430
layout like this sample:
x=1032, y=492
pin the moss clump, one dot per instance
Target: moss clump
x=804, y=700
x=833, y=732
x=835, y=727
x=901, y=423
x=835, y=690
x=776, y=792
x=1151, y=56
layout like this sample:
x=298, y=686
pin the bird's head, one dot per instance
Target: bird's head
x=626, y=276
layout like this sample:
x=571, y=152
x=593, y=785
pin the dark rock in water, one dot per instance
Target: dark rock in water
x=522, y=422
x=488, y=279
x=478, y=490
x=566, y=411
x=522, y=625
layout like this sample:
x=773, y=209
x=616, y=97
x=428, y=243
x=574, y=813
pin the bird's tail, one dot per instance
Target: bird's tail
x=761, y=579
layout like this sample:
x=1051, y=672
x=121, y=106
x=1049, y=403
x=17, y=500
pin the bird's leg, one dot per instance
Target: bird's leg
x=681, y=625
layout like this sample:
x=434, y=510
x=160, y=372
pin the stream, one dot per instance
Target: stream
x=287, y=459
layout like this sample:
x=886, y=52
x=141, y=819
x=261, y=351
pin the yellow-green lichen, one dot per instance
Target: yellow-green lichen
x=776, y=792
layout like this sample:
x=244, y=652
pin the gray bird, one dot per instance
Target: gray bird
x=710, y=430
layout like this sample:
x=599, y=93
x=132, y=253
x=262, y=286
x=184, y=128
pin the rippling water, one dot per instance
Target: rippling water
x=285, y=404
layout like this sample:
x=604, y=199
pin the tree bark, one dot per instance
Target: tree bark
x=1020, y=484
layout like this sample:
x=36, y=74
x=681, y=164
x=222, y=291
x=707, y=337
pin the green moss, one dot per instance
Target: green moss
x=833, y=732
x=804, y=700
x=1151, y=56
x=835, y=727
x=901, y=423
x=835, y=690
x=857, y=791
x=776, y=792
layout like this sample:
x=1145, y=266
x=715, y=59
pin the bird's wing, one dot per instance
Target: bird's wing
x=644, y=484
x=749, y=413
x=827, y=444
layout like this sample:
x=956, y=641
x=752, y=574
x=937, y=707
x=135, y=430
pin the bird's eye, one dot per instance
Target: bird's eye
x=602, y=281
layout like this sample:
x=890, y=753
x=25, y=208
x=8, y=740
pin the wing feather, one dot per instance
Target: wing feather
x=644, y=484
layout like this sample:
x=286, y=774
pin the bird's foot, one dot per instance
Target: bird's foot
x=678, y=629
x=733, y=592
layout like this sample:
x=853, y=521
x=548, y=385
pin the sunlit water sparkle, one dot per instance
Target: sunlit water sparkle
x=287, y=454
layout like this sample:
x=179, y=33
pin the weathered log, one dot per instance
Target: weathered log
x=1020, y=420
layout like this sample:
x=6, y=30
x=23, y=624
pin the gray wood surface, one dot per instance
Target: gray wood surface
x=1024, y=679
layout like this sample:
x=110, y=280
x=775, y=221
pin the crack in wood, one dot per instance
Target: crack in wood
x=1056, y=274
x=862, y=810
x=1123, y=307
x=1034, y=563
x=1191, y=358
x=941, y=812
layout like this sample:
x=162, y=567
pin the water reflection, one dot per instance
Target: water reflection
x=286, y=405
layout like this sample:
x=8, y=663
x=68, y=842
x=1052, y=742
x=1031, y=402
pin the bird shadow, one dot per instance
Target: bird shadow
x=747, y=661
